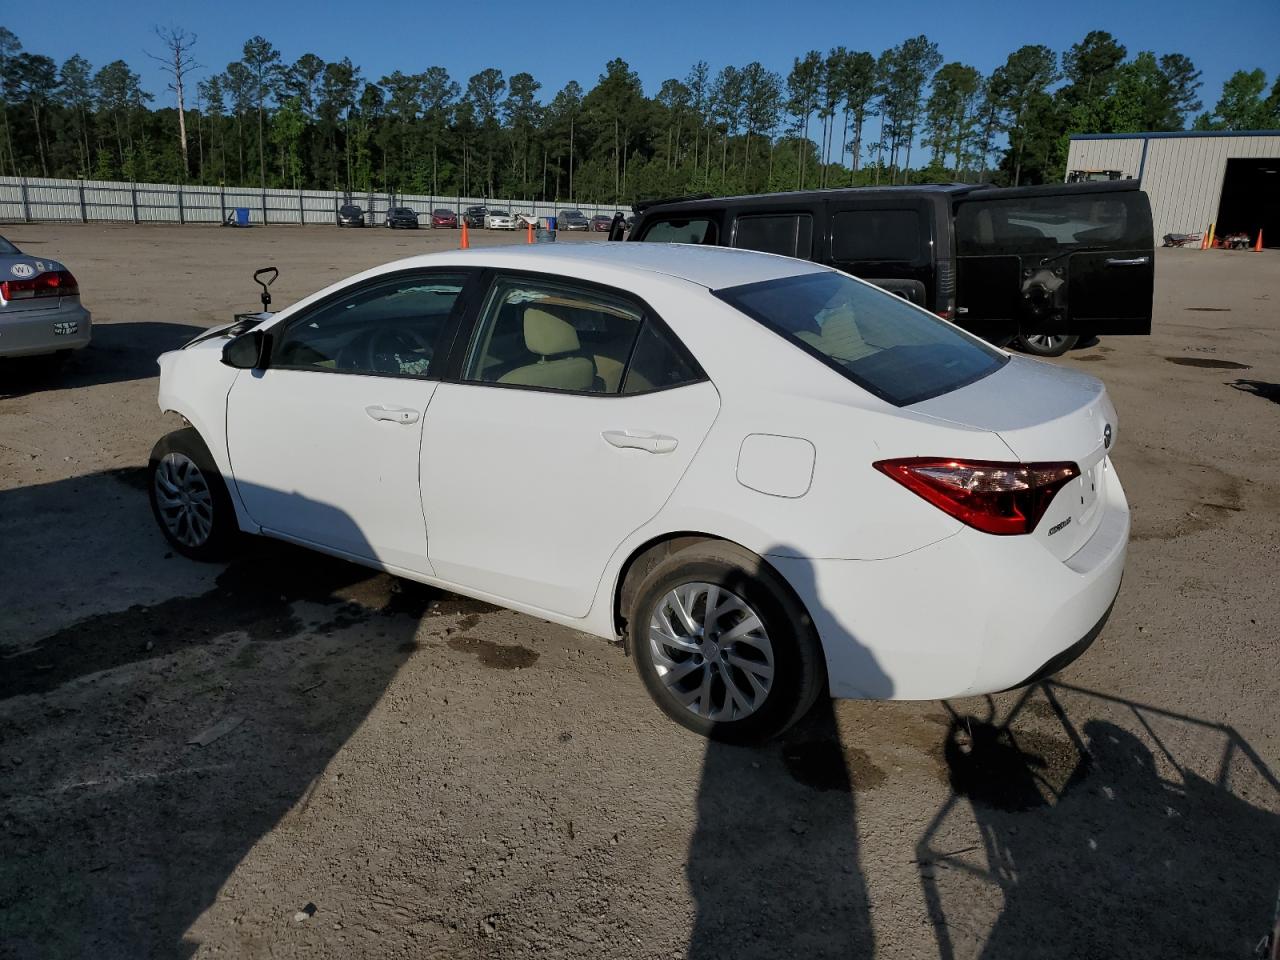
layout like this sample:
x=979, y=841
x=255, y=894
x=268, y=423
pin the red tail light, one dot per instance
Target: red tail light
x=59, y=283
x=999, y=498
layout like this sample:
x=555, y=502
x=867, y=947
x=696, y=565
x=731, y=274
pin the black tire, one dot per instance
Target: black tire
x=223, y=531
x=799, y=671
x=1045, y=346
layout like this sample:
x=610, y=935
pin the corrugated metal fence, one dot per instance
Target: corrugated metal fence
x=36, y=199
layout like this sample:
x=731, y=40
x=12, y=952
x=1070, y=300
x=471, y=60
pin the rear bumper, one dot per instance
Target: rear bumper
x=967, y=615
x=30, y=333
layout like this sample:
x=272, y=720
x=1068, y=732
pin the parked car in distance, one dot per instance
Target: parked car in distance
x=601, y=222
x=542, y=427
x=40, y=309
x=572, y=220
x=499, y=220
x=402, y=217
x=349, y=215
x=474, y=216
x=1044, y=266
x=443, y=217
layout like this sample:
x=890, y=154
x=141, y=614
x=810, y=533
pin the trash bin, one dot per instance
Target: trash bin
x=242, y=216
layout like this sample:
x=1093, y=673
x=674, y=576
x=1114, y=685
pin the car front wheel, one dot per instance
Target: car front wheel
x=189, y=497
x=722, y=644
x=1045, y=345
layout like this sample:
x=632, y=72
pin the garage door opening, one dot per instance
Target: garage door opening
x=1251, y=199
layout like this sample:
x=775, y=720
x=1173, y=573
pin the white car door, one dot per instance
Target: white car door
x=325, y=441
x=576, y=416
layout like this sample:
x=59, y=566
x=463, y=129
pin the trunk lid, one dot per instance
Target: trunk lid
x=1044, y=413
x=20, y=266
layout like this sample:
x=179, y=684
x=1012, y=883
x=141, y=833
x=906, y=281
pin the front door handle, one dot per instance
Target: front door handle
x=395, y=414
x=637, y=440
x=1131, y=262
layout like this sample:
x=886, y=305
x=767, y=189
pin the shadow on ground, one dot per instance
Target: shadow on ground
x=1259, y=388
x=116, y=830
x=1100, y=839
x=119, y=352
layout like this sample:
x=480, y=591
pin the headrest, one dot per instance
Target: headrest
x=547, y=335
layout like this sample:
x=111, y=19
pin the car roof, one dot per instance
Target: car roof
x=708, y=266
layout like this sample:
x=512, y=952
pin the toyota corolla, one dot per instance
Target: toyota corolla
x=770, y=480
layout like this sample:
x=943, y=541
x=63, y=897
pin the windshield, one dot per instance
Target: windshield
x=444, y=213
x=879, y=341
x=499, y=213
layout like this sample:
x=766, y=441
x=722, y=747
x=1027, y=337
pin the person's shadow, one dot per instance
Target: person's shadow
x=774, y=864
x=1115, y=860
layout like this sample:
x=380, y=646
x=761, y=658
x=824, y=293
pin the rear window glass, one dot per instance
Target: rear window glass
x=876, y=235
x=682, y=230
x=7, y=247
x=896, y=351
x=1033, y=225
x=789, y=234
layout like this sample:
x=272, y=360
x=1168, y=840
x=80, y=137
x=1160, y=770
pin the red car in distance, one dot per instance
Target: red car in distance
x=444, y=218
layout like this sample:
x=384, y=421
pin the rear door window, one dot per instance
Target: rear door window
x=790, y=234
x=1049, y=224
x=877, y=235
x=682, y=230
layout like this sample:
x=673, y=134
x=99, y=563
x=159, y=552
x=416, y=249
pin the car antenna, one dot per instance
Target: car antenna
x=264, y=284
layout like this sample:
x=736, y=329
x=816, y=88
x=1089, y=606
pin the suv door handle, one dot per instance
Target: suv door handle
x=1131, y=262
x=394, y=414
x=648, y=442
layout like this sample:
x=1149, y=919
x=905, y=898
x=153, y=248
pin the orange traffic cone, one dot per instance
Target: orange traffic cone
x=1257, y=247
x=529, y=224
x=465, y=243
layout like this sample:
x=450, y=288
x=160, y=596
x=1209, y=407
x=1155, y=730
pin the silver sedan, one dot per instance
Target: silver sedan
x=40, y=311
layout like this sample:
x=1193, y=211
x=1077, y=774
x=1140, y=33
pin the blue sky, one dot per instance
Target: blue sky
x=571, y=39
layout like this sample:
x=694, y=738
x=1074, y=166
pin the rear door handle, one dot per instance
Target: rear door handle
x=1131, y=262
x=395, y=414
x=637, y=440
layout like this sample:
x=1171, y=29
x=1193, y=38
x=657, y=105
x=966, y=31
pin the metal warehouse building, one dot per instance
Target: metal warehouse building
x=1231, y=179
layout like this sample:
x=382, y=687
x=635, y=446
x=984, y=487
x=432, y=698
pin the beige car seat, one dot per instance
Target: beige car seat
x=554, y=342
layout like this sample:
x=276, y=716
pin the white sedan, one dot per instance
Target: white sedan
x=770, y=480
x=499, y=220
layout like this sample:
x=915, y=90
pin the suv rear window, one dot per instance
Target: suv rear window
x=790, y=234
x=876, y=235
x=900, y=353
x=1047, y=225
x=681, y=230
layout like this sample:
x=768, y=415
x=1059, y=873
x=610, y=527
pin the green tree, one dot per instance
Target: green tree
x=32, y=79
x=76, y=85
x=951, y=113
x=1017, y=87
x=262, y=61
x=803, y=85
x=1241, y=106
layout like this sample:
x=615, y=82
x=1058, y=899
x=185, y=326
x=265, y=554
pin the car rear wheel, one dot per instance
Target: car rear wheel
x=1045, y=345
x=722, y=644
x=189, y=498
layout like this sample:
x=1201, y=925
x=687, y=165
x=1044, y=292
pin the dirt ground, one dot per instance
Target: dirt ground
x=408, y=774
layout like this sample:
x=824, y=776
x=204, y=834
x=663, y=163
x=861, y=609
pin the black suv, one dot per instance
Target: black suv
x=474, y=216
x=1046, y=265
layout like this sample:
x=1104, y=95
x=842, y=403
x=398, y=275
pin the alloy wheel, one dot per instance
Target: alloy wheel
x=184, y=500
x=711, y=651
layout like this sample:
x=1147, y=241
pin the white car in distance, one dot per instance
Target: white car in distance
x=499, y=220
x=771, y=480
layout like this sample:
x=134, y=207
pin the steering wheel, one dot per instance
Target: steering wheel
x=387, y=349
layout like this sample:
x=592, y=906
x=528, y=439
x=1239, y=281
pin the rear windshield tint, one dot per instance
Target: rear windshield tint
x=681, y=230
x=896, y=351
x=1036, y=225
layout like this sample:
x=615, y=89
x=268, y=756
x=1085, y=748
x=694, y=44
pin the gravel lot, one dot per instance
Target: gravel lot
x=413, y=774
